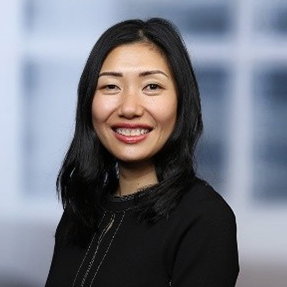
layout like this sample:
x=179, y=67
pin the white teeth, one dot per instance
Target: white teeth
x=131, y=132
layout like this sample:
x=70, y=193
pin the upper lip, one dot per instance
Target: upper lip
x=131, y=126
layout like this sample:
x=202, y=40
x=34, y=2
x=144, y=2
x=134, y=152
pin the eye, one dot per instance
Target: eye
x=152, y=87
x=110, y=87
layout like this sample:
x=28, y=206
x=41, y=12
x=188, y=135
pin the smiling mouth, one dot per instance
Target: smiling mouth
x=131, y=132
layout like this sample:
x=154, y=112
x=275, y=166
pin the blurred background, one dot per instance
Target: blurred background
x=239, y=52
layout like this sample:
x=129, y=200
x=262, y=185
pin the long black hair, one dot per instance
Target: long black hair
x=88, y=167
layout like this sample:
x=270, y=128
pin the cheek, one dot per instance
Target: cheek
x=166, y=116
x=102, y=108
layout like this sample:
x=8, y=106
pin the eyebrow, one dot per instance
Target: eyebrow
x=147, y=73
x=114, y=74
x=142, y=74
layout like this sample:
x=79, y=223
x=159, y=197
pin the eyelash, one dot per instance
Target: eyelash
x=110, y=87
x=149, y=87
x=153, y=87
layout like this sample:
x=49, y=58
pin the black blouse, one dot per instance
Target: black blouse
x=196, y=246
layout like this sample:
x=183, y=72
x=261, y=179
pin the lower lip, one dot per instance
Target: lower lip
x=131, y=139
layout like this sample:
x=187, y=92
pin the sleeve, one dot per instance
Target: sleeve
x=207, y=253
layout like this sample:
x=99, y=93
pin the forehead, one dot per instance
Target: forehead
x=136, y=55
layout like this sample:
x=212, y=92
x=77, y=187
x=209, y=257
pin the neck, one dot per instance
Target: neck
x=134, y=176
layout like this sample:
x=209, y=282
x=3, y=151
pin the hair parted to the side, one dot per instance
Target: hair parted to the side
x=88, y=168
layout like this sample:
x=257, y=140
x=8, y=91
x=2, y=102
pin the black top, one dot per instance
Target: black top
x=196, y=246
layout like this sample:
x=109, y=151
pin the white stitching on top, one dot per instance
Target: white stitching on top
x=96, y=251
x=108, y=248
x=87, y=251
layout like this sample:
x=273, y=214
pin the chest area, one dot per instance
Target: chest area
x=122, y=253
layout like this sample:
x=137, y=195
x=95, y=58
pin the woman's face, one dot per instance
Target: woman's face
x=135, y=102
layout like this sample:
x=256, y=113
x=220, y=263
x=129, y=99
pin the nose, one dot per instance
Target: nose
x=131, y=105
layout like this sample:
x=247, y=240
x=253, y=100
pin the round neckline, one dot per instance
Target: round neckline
x=125, y=202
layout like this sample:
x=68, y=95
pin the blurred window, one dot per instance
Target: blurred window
x=214, y=87
x=49, y=98
x=54, y=18
x=50, y=81
x=270, y=134
x=200, y=19
x=280, y=20
x=271, y=18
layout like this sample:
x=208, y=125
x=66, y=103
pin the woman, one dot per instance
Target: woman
x=135, y=214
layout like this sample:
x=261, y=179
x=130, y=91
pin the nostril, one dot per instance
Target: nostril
x=130, y=109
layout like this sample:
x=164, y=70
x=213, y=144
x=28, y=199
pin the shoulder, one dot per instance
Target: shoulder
x=201, y=239
x=202, y=203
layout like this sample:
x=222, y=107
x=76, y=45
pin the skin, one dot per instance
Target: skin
x=134, y=110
